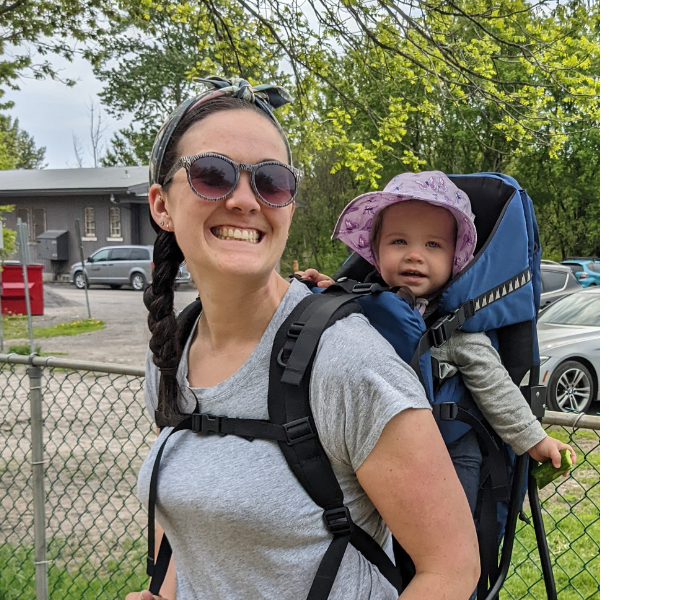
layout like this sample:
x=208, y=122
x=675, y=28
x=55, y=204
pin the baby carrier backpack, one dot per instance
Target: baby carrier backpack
x=498, y=293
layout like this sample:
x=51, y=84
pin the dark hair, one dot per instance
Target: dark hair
x=158, y=297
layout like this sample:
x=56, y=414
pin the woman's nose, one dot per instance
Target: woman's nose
x=243, y=197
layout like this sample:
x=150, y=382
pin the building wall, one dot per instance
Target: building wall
x=61, y=212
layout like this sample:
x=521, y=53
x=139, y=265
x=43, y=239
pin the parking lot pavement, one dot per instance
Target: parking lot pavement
x=125, y=337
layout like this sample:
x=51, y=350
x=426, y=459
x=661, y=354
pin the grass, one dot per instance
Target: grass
x=124, y=571
x=571, y=514
x=15, y=327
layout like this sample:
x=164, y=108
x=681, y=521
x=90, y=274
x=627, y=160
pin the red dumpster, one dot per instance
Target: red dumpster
x=13, y=302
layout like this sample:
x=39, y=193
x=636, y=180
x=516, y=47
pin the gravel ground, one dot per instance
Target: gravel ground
x=125, y=337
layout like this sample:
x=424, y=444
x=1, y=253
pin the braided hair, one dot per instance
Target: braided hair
x=159, y=296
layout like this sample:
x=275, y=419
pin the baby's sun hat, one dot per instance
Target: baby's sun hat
x=355, y=222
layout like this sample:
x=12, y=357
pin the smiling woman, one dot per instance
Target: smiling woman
x=239, y=522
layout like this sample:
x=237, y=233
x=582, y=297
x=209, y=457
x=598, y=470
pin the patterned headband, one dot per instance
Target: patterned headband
x=266, y=97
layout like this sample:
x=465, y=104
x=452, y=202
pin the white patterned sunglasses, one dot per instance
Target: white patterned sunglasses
x=214, y=176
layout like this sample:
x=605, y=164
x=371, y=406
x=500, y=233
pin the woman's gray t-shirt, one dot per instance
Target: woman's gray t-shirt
x=240, y=524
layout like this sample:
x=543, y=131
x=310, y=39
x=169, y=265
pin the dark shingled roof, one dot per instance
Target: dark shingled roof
x=110, y=180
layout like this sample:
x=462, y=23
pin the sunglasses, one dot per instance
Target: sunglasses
x=214, y=176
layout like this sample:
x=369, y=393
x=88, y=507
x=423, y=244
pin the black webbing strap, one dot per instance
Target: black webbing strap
x=488, y=541
x=491, y=449
x=157, y=569
x=300, y=359
x=250, y=429
x=293, y=353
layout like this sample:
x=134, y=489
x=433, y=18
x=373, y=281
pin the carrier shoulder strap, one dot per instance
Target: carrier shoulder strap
x=293, y=353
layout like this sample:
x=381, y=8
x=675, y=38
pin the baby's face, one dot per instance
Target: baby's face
x=416, y=246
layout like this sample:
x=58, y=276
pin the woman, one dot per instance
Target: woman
x=240, y=524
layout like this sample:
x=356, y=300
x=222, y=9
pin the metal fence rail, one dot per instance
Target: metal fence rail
x=95, y=434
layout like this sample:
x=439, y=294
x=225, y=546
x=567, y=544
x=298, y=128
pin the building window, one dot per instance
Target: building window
x=115, y=222
x=90, y=222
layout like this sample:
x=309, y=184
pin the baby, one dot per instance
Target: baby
x=418, y=233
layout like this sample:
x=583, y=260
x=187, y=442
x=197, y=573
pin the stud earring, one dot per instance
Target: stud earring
x=162, y=223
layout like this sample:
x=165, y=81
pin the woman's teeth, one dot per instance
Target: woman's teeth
x=230, y=233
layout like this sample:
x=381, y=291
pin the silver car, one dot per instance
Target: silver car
x=569, y=338
x=557, y=281
x=116, y=266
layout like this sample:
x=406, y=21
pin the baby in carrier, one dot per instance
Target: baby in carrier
x=418, y=233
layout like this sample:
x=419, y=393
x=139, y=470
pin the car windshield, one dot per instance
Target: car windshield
x=577, y=309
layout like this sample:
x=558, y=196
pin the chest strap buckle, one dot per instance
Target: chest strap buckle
x=203, y=423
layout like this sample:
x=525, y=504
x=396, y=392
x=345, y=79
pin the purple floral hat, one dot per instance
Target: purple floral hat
x=355, y=222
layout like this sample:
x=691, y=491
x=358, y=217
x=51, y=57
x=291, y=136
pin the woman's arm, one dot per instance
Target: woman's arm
x=409, y=477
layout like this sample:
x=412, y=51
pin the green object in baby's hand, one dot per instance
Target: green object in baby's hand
x=546, y=472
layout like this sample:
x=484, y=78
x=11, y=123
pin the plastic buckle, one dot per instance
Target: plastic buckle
x=295, y=330
x=437, y=334
x=447, y=411
x=338, y=520
x=366, y=288
x=298, y=431
x=203, y=423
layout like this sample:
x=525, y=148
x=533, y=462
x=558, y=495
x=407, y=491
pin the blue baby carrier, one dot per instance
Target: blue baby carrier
x=497, y=293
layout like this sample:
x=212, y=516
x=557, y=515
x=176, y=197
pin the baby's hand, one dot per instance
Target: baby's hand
x=321, y=280
x=548, y=449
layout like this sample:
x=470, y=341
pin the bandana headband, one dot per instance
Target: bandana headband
x=267, y=97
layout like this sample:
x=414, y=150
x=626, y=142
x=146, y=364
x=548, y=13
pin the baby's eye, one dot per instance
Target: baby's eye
x=433, y=245
x=399, y=241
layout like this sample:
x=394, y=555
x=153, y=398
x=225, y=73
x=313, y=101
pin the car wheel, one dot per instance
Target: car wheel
x=115, y=286
x=570, y=388
x=79, y=280
x=138, y=282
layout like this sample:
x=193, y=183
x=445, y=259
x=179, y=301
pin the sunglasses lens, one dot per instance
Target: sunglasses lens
x=275, y=183
x=212, y=177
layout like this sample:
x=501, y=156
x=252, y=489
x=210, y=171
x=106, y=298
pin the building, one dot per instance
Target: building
x=110, y=204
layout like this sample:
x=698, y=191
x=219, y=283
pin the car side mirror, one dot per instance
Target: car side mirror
x=89, y=259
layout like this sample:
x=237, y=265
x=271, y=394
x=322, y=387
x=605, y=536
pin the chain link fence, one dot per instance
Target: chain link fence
x=95, y=435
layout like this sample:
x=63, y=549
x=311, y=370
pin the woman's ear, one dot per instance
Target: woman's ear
x=156, y=201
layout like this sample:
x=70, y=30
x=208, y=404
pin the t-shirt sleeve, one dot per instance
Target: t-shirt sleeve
x=150, y=385
x=358, y=384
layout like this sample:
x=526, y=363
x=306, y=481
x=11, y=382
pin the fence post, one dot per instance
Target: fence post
x=37, y=425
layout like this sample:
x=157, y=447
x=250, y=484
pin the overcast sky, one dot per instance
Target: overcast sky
x=51, y=111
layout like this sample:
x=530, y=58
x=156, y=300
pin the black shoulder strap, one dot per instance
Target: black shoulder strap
x=293, y=353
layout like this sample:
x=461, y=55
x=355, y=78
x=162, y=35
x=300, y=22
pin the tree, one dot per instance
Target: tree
x=17, y=148
x=150, y=60
x=42, y=27
x=9, y=237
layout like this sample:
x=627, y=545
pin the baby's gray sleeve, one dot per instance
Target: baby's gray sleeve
x=494, y=392
x=358, y=384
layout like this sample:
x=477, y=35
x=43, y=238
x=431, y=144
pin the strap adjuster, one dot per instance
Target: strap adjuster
x=447, y=411
x=338, y=520
x=295, y=330
x=366, y=288
x=203, y=423
x=298, y=431
x=438, y=334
